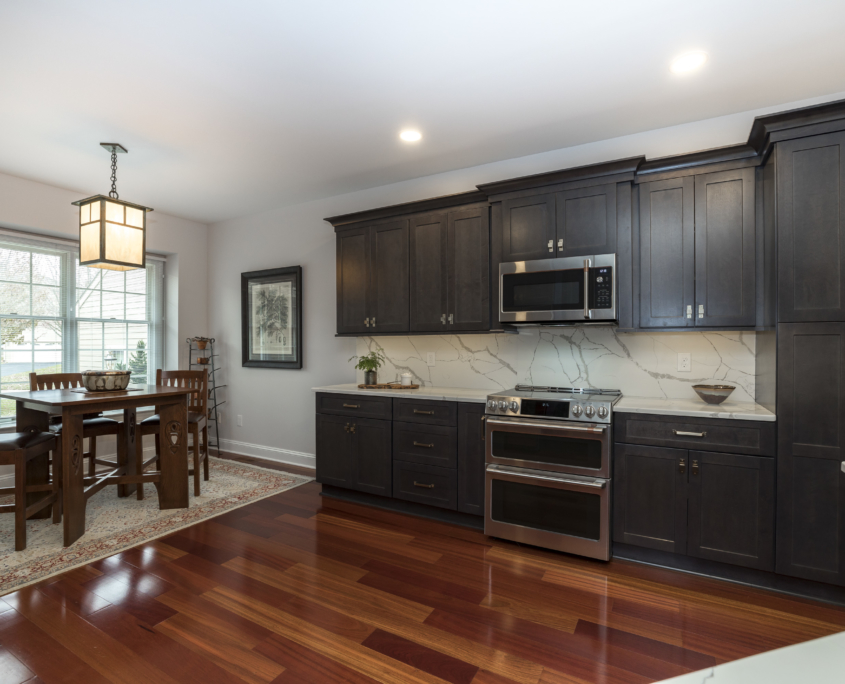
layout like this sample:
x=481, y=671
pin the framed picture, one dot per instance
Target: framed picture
x=271, y=318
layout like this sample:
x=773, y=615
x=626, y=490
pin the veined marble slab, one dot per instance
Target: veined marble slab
x=638, y=364
x=438, y=393
x=695, y=408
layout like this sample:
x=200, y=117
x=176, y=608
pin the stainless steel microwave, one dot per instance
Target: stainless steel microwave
x=553, y=291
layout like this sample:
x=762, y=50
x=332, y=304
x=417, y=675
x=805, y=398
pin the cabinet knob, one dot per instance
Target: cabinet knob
x=682, y=466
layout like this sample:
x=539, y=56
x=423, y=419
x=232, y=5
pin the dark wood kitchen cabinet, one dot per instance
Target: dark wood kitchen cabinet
x=528, y=228
x=373, y=293
x=698, y=251
x=811, y=460
x=705, y=504
x=354, y=452
x=810, y=176
x=450, y=270
x=471, y=463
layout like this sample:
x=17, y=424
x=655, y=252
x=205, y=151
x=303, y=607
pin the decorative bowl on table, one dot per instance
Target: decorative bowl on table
x=713, y=394
x=105, y=380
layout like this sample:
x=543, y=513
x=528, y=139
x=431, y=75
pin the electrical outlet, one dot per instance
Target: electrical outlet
x=429, y=359
x=684, y=362
x=240, y=421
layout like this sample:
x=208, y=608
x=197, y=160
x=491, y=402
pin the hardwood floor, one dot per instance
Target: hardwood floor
x=297, y=588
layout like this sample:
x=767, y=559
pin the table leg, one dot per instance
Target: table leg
x=173, y=432
x=126, y=451
x=73, y=484
x=38, y=469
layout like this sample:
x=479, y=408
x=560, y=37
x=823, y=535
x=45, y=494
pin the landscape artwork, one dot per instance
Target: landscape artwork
x=271, y=313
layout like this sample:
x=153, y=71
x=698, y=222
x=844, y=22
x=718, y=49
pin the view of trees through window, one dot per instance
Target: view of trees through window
x=57, y=316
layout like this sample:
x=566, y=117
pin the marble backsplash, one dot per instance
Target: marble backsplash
x=639, y=364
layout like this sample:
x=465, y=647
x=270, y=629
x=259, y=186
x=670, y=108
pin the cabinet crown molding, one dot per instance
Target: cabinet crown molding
x=796, y=123
x=742, y=155
x=617, y=167
x=395, y=210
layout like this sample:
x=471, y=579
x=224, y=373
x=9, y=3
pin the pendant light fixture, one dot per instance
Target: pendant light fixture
x=112, y=232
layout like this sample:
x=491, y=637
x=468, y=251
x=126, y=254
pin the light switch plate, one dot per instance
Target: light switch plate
x=684, y=362
x=429, y=359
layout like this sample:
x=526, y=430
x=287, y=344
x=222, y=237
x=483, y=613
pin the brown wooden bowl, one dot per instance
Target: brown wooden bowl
x=713, y=394
x=105, y=380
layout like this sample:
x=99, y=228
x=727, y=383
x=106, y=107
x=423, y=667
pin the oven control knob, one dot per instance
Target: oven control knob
x=503, y=405
x=514, y=406
x=602, y=411
x=491, y=404
x=589, y=412
x=577, y=410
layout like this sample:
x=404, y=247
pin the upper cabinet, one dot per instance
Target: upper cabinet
x=404, y=269
x=811, y=228
x=528, y=228
x=586, y=221
x=697, y=250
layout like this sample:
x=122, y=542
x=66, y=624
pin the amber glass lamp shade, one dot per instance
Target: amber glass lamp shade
x=112, y=233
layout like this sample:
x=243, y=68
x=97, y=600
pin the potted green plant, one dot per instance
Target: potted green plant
x=370, y=363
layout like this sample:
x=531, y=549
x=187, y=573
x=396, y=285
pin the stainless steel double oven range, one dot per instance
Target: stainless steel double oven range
x=548, y=477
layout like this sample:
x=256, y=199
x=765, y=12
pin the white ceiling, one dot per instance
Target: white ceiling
x=229, y=108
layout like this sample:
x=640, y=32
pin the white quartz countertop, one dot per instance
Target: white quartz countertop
x=438, y=393
x=695, y=408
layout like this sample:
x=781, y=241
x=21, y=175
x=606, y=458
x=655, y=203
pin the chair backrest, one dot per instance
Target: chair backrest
x=197, y=401
x=49, y=381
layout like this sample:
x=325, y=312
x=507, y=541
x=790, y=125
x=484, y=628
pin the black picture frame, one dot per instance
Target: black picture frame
x=285, y=332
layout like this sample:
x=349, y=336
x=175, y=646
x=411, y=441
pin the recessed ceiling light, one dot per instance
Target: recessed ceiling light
x=410, y=135
x=688, y=62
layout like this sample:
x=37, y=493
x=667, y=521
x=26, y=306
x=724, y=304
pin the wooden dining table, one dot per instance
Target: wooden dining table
x=34, y=410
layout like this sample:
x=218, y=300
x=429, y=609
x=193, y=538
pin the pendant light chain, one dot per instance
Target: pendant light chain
x=113, y=192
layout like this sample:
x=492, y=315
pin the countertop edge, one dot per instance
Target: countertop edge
x=767, y=417
x=430, y=393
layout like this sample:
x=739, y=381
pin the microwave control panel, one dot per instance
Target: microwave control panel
x=602, y=287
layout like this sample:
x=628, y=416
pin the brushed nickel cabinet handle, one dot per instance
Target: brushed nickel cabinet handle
x=551, y=245
x=351, y=406
x=424, y=413
x=689, y=310
x=367, y=322
x=373, y=322
x=701, y=310
x=420, y=444
x=451, y=319
x=682, y=466
x=417, y=484
x=681, y=433
x=694, y=468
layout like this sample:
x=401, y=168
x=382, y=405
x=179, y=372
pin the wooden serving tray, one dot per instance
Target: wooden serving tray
x=389, y=385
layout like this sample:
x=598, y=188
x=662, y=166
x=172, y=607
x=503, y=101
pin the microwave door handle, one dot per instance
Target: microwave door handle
x=587, y=312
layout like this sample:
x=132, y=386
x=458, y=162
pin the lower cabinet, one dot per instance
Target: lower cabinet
x=425, y=451
x=354, y=453
x=715, y=506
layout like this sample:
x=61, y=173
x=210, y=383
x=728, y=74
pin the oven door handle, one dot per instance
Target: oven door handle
x=597, y=429
x=535, y=475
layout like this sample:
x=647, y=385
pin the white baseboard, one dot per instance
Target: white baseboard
x=8, y=480
x=287, y=456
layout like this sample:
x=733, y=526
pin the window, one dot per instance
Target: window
x=57, y=316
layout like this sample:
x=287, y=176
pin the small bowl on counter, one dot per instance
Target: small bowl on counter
x=713, y=394
x=105, y=380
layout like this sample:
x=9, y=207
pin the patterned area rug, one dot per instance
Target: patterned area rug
x=114, y=524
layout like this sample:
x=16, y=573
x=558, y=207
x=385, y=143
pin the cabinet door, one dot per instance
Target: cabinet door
x=353, y=280
x=811, y=461
x=650, y=497
x=725, y=249
x=390, y=282
x=429, y=281
x=528, y=228
x=586, y=221
x=667, y=253
x=471, y=458
x=373, y=456
x=811, y=228
x=335, y=456
x=469, y=269
x=732, y=509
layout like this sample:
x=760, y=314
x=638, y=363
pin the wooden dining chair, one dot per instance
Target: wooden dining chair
x=18, y=449
x=197, y=423
x=93, y=425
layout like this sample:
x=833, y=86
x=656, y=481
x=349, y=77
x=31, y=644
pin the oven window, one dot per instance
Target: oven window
x=544, y=291
x=543, y=508
x=565, y=451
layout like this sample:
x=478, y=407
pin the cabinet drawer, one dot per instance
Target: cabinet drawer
x=428, y=412
x=425, y=484
x=435, y=445
x=705, y=434
x=358, y=405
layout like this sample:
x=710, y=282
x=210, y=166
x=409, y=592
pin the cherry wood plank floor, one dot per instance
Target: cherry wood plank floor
x=297, y=588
